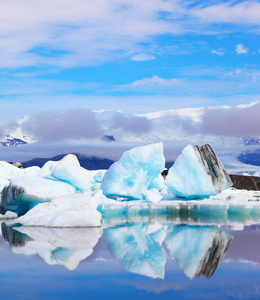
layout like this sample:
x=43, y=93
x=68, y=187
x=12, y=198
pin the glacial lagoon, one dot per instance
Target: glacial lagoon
x=149, y=257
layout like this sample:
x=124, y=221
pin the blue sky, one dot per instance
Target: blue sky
x=136, y=56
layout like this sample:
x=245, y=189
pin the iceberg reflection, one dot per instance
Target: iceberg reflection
x=198, y=250
x=140, y=247
x=63, y=246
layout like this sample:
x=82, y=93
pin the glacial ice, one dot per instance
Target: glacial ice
x=9, y=171
x=8, y=215
x=76, y=210
x=197, y=173
x=132, y=175
x=198, y=249
x=33, y=187
x=69, y=170
x=63, y=246
x=137, y=250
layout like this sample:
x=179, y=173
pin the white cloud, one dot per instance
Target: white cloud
x=86, y=32
x=219, y=52
x=240, y=49
x=143, y=57
x=246, y=12
x=81, y=32
x=156, y=81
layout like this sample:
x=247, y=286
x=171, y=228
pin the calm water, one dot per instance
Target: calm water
x=149, y=260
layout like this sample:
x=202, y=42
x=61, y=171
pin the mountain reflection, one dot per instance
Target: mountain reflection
x=140, y=247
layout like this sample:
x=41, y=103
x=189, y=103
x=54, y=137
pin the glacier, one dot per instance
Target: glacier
x=197, y=173
x=136, y=171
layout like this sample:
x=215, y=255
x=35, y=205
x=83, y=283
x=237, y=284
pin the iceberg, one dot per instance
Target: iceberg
x=9, y=171
x=135, y=172
x=137, y=250
x=33, y=187
x=198, y=250
x=76, y=210
x=197, y=173
x=63, y=246
x=69, y=170
x=8, y=215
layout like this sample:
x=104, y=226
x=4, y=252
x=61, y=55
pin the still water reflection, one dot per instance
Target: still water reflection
x=155, y=250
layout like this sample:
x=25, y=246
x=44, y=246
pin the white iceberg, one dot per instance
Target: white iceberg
x=8, y=215
x=33, y=187
x=197, y=173
x=76, y=210
x=69, y=170
x=8, y=171
x=137, y=251
x=131, y=176
x=198, y=249
x=63, y=246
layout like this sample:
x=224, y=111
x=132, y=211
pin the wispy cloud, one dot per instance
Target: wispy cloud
x=219, y=52
x=85, y=32
x=245, y=12
x=143, y=57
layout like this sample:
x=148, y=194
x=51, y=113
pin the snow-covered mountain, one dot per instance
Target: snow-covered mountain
x=10, y=142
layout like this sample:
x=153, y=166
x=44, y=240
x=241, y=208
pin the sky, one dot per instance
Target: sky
x=126, y=55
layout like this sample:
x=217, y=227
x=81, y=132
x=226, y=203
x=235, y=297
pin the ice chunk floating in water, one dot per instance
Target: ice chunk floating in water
x=69, y=170
x=133, y=174
x=198, y=249
x=197, y=173
x=34, y=187
x=76, y=210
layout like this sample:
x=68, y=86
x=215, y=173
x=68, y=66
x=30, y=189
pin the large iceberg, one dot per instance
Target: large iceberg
x=137, y=170
x=138, y=248
x=76, y=210
x=63, y=246
x=197, y=173
x=198, y=249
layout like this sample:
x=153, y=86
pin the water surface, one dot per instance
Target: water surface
x=156, y=259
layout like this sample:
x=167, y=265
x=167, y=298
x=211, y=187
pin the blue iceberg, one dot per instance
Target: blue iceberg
x=197, y=173
x=136, y=171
